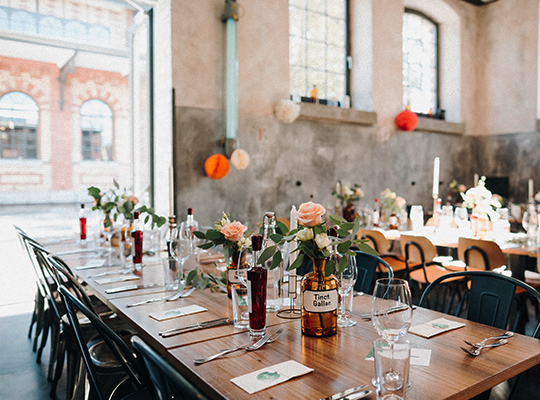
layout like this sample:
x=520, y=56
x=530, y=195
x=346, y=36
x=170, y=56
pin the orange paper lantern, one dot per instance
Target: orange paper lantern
x=216, y=166
x=406, y=120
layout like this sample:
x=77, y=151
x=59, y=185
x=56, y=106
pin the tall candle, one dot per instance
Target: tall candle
x=436, y=168
x=475, y=180
x=531, y=190
x=171, y=191
x=293, y=225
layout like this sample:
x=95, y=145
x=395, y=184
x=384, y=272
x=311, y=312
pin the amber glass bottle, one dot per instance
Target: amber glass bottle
x=232, y=271
x=319, y=302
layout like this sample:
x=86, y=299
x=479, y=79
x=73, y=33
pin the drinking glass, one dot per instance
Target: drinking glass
x=391, y=314
x=239, y=296
x=182, y=251
x=417, y=217
x=346, y=281
x=461, y=217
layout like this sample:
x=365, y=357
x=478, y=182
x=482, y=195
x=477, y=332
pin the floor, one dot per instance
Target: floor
x=20, y=376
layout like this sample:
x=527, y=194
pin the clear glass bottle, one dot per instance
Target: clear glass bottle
x=137, y=237
x=376, y=213
x=82, y=224
x=256, y=288
x=185, y=234
x=275, y=276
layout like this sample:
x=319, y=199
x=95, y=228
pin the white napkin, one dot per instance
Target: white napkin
x=270, y=376
x=177, y=312
x=124, y=278
x=435, y=327
x=95, y=262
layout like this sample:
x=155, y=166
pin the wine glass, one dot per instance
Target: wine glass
x=530, y=223
x=182, y=250
x=346, y=281
x=391, y=314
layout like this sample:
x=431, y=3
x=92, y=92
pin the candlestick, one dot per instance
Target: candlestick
x=475, y=180
x=171, y=191
x=531, y=190
x=436, y=168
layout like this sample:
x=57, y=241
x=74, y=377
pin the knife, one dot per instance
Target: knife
x=196, y=326
x=78, y=251
x=345, y=393
x=93, y=266
x=130, y=287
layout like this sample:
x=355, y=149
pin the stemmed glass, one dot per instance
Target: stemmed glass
x=346, y=281
x=530, y=223
x=391, y=314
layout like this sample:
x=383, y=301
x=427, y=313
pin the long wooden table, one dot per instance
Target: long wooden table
x=338, y=361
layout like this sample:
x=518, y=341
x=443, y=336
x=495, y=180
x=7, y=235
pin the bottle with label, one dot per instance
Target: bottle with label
x=275, y=276
x=376, y=213
x=256, y=289
x=137, y=237
x=185, y=234
x=320, y=301
x=236, y=266
x=82, y=224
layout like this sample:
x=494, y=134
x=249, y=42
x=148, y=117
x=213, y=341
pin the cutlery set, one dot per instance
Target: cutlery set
x=176, y=296
x=350, y=394
x=477, y=347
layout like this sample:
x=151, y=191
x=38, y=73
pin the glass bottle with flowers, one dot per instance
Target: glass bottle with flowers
x=483, y=206
x=392, y=207
x=347, y=194
x=230, y=235
x=319, y=289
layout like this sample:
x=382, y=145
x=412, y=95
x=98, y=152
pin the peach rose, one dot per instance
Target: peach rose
x=310, y=214
x=133, y=199
x=233, y=231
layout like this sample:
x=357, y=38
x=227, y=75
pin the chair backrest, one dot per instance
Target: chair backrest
x=118, y=347
x=165, y=380
x=489, y=298
x=417, y=249
x=367, y=265
x=376, y=239
x=480, y=254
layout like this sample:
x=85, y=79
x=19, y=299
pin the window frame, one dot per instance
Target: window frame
x=88, y=131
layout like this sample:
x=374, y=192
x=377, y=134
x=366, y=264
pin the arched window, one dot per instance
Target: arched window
x=19, y=116
x=51, y=26
x=318, y=47
x=420, y=62
x=76, y=31
x=23, y=22
x=97, y=131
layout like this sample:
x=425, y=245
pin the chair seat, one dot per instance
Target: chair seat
x=396, y=262
x=433, y=272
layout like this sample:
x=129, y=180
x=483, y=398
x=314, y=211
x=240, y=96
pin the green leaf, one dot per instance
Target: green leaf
x=206, y=246
x=350, y=253
x=342, y=265
x=281, y=228
x=356, y=227
x=330, y=267
x=266, y=254
x=116, y=185
x=276, y=260
x=318, y=229
x=347, y=226
x=338, y=220
x=343, y=233
x=212, y=234
x=276, y=237
x=199, y=235
x=344, y=246
x=94, y=192
x=367, y=249
x=299, y=260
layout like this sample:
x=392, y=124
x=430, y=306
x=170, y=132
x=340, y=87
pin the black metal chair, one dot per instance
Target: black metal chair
x=166, y=381
x=128, y=379
x=489, y=302
x=367, y=266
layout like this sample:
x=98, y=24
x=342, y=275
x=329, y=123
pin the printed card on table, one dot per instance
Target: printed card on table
x=270, y=376
x=177, y=312
x=95, y=262
x=432, y=328
x=117, y=279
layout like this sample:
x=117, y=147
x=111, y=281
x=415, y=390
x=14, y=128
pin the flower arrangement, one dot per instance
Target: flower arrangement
x=391, y=203
x=313, y=240
x=347, y=193
x=118, y=202
x=481, y=200
x=229, y=234
x=456, y=189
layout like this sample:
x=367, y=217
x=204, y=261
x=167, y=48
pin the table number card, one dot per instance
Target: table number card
x=432, y=328
x=270, y=376
x=177, y=312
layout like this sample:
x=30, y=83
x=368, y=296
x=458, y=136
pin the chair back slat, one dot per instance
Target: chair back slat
x=367, y=265
x=480, y=254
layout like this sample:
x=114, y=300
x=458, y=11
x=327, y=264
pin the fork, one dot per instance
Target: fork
x=166, y=298
x=476, y=351
x=483, y=342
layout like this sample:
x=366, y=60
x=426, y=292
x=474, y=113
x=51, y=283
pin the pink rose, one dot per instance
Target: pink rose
x=233, y=231
x=310, y=214
x=133, y=199
x=400, y=201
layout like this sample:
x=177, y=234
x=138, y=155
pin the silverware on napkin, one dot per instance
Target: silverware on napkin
x=196, y=326
x=348, y=392
x=130, y=287
x=390, y=310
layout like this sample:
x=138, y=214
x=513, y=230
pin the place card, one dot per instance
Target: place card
x=432, y=328
x=177, y=312
x=95, y=262
x=270, y=376
x=418, y=356
x=123, y=278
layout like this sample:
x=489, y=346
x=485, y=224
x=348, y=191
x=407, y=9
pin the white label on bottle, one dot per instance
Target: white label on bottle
x=320, y=301
x=250, y=309
x=232, y=275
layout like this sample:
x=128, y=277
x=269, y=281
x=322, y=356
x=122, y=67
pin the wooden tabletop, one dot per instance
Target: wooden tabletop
x=338, y=361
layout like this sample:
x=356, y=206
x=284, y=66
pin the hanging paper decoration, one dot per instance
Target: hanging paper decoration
x=406, y=120
x=240, y=159
x=287, y=111
x=216, y=166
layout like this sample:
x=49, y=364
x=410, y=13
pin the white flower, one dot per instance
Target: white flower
x=322, y=240
x=304, y=235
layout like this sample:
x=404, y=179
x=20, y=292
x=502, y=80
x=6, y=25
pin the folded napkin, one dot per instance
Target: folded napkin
x=435, y=327
x=177, y=312
x=531, y=276
x=270, y=376
x=124, y=278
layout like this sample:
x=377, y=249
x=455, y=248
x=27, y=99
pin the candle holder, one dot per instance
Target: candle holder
x=289, y=311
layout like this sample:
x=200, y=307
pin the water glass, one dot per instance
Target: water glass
x=126, y=253
x=417, y=217
x=240, y=306
x=346, y=281
x=392, y=365
x=172, y=272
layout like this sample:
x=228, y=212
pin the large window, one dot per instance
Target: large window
x=97, y=131
x=19, y=116
x=420, y=62
x=318, y=47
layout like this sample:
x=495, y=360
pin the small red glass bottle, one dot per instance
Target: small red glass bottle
x=82, y=224
x=257, y=277
x=137, y=235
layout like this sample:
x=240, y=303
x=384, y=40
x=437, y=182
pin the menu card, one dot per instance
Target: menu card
x=177, y=312
x=432, y=328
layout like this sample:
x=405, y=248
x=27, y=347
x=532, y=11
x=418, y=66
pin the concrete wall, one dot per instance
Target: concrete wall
x=291, y=163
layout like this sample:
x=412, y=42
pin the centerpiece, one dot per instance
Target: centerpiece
x=347, y=195
x=319, y=289
x=483, y=206
x=392, y=207
x=231, y=236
